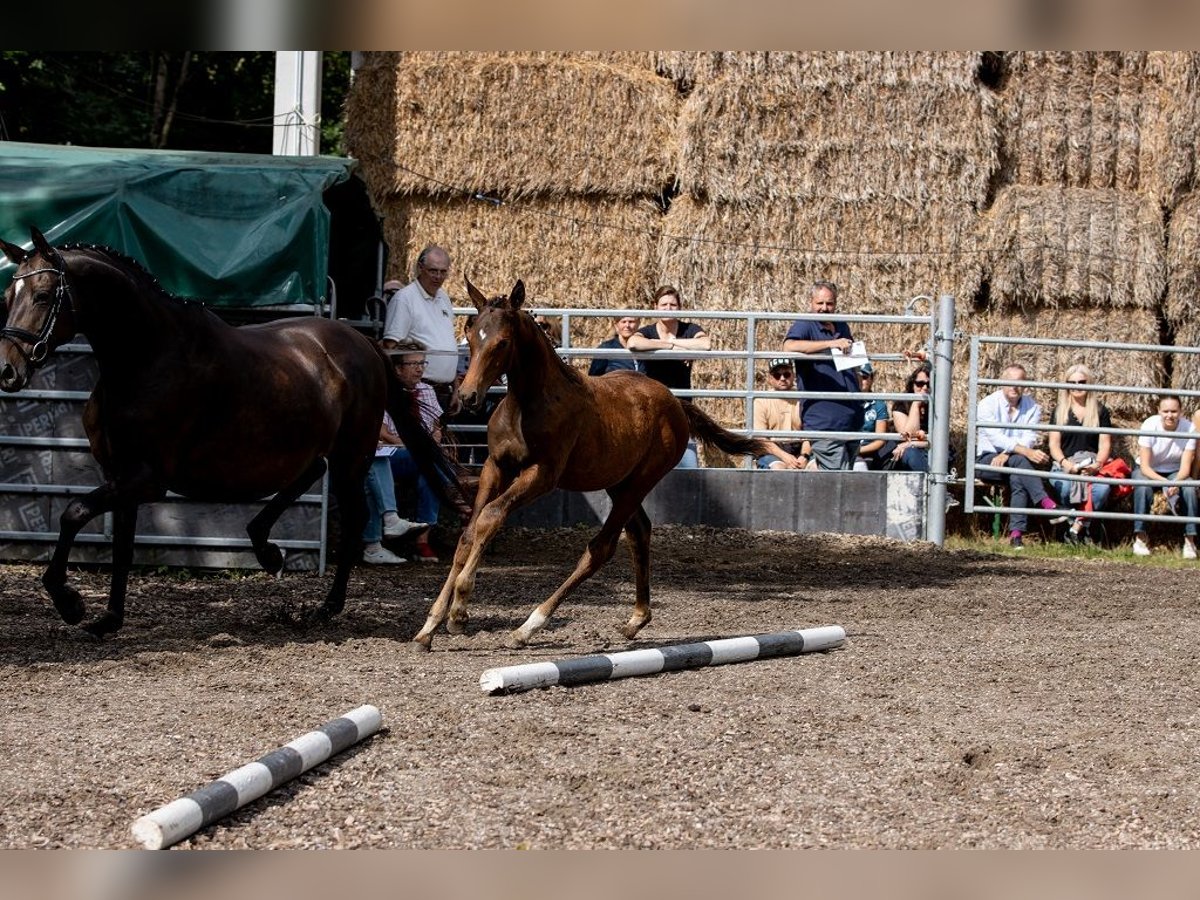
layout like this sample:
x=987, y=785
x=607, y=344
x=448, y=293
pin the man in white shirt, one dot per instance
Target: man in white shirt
x=421, y=311
x=1012, y=446
x=1166, y=460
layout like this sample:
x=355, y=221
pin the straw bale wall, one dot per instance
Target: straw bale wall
x=788, y=69
x=1183, y=262
x=746, y=141
x=1125, y=120
x=1074, y=247
x=445, y=124
x=553, y=245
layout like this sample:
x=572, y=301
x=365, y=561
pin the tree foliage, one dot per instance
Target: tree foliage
x=177, y=99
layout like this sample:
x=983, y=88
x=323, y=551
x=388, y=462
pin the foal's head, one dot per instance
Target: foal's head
x=39, y=312
x=495, y=339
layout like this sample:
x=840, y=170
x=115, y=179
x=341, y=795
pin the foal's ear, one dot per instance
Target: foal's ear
x=16, y=255
x=517, y=296
x=476, y=296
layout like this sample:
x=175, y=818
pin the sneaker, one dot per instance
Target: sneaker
x=425, y=554
x=1064, y=514
x=1140, y=547
x=382, y=556
x=1016, y=543
x=394, y=526
x=1189, y=549
x=1072, y=537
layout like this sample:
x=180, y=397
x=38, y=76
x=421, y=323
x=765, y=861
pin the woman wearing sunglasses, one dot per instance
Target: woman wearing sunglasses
x=911, y=419
x=1079, y=452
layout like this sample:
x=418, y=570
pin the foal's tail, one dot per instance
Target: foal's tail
x=707, y=431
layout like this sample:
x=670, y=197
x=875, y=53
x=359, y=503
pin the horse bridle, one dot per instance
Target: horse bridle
x=39, y=343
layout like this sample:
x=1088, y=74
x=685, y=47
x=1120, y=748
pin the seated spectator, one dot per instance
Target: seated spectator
x=874, y=454
x=408, y=357
x=1165, y=459
x=911, y=419
x=669, y=333
x=1012, y=445
x=1080, y=453
x=780, y=414
x=622, y=331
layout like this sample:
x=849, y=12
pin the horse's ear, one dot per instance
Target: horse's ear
x=16, y=255
x=43, y=246
x=517, y=297
x=477, y=298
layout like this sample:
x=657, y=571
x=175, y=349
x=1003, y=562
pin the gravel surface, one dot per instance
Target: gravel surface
x=979, y=701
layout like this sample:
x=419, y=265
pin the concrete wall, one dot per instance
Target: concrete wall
x=886, y=504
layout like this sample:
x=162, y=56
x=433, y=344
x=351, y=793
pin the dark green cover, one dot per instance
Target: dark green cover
x=229, y=229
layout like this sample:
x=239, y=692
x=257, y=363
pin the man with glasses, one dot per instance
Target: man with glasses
x=780, y=414
x=1012, y=445
x=821, y=414
x=421, y=311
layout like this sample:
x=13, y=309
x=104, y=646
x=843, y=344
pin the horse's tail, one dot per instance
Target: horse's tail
x=432, y=459
x=707, y=431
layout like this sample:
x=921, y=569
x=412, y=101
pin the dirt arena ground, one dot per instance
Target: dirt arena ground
x=979, y=701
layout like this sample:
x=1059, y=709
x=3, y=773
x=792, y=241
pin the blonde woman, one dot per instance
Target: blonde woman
x=1078, y=452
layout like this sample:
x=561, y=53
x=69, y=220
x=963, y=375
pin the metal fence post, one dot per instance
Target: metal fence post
x=939, y=450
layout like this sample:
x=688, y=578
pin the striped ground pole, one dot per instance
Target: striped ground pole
x=630, y=663
x=187, y=815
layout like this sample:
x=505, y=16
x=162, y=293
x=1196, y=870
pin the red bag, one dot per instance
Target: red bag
x=1114, y=468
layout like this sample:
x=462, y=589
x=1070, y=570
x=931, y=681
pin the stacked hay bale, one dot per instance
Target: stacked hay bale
x=1183, y=289
x=868, y=169
x=1094, y=147
x=540, y=166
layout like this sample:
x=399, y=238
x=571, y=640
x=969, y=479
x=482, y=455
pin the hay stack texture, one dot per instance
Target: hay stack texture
x=516, y=126
x=1183, y=289
x=831, y=68
x=1075, y=247
x=1123, y=120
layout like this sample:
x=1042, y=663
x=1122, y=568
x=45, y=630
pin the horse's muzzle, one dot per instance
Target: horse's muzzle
x=11, y=379
x=472, y=401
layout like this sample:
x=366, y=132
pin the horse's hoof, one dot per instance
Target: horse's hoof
x=105, y=624
x=68, y=602
x=270, y=557
x=456, y=626
x=419, y=645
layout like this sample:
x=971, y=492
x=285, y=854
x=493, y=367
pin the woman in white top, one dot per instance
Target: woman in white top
x=1165, y=459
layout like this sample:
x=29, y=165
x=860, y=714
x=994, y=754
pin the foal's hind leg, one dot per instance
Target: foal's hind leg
x=638, y=529
x=599, y=551
x=268, y=554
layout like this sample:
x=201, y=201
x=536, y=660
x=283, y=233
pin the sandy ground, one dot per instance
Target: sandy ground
x=979, y=701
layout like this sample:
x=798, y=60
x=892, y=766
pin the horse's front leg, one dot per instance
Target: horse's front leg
x=124, y=525
x=78, y=513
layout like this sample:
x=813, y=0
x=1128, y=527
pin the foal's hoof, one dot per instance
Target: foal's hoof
x=456, y=626
x=628, y=631
x=419, y=645
x=68, y=602
x=515, y=641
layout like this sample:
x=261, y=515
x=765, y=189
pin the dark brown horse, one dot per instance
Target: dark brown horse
x=190, y=404
x=620, y=432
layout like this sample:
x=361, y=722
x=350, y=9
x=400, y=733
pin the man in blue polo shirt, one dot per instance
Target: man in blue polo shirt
x=817, y=337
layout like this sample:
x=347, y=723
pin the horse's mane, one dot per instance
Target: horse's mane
x=566, y=368
x=136, y=270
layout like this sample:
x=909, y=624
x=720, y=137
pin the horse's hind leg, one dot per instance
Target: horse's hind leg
x=352, y=509
x=268, y=554
x=78, y=513
x=124, y=525
x=638, y=530
x=600, y=550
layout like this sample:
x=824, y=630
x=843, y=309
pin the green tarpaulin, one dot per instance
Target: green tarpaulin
x=229, y=229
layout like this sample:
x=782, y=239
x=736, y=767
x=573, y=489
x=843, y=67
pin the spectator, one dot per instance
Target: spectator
x=421, y=311
x=816, y=337
x=911, y=420
x=1012, y=445
x=1078, y=452
x=669, y=333
x=780, y=414
x=622, y=331
x=873, y=454
x=409, y=359
x=1165, y=459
